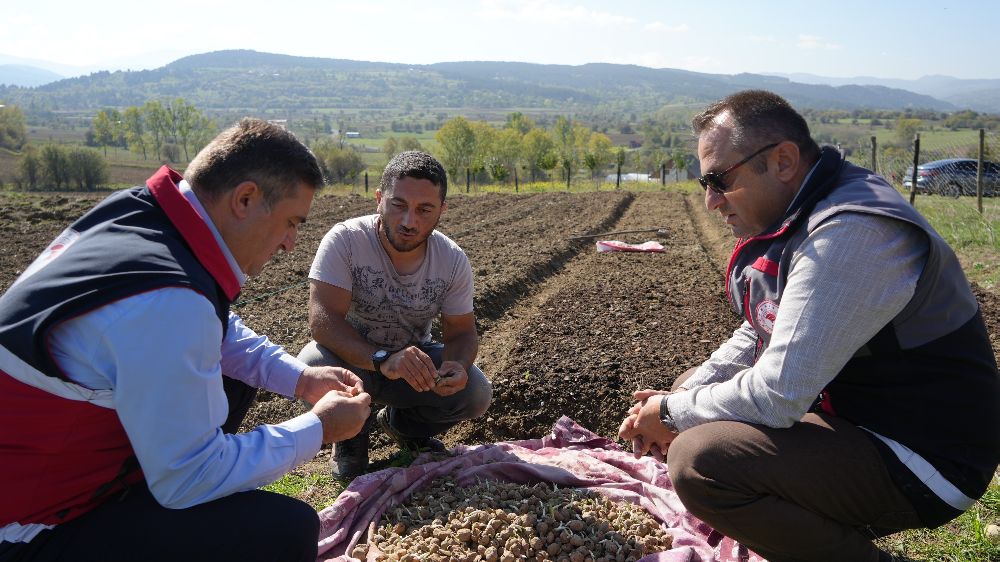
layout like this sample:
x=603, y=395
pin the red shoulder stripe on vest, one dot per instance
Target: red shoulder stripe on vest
x=163, y=186
x=767, y=266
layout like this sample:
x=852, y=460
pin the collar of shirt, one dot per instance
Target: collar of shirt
x=805, y=180
x=190, y=195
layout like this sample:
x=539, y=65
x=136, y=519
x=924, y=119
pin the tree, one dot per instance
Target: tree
x=410, y=143
x=906, y=129
x=186, y=118
x=390, y=148
x=458, y=143
x=203, y=134
x=104, y=129
x=484, y=147
x=31, y=169
x=539, y=151
x=156, y=120
x=135, y=131
x=679, y=159
x=13, y=133
x=86, y=169
x=507, y=148
x=598, y=153
x=519, y=122
x=55, y=166
x=562, y=133
x=340, y=165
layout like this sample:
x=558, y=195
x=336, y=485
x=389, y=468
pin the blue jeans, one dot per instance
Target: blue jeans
x=412, y=413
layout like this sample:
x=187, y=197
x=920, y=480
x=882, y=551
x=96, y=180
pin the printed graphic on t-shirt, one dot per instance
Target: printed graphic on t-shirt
x=391, y=314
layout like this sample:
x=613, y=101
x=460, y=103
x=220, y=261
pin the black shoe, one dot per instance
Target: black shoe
x=409, y=443
x=350, y=457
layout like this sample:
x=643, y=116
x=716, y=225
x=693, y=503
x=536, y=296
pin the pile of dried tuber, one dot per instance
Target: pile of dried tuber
x=505, y=522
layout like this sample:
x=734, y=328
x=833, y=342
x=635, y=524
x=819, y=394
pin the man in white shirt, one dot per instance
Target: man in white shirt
x=378, y=282
x=124, y=377
x=860, y=396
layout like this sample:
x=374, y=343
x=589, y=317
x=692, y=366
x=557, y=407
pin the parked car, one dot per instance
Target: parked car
x=953, y=177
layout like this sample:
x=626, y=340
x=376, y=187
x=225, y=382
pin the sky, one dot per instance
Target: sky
x=845, y=38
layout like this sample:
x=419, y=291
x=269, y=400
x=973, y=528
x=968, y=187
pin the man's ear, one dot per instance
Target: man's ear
x=444, y=206
x=788, y=158
x=378, y=199
x=244, y=197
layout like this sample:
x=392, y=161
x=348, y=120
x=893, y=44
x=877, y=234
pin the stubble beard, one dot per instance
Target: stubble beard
x=397, y=244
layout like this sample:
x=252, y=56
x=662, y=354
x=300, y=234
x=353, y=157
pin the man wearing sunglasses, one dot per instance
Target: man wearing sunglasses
x=860, y=396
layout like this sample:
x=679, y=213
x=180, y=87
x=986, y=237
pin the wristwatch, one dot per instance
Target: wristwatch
x=378, y=358
x=665, y=417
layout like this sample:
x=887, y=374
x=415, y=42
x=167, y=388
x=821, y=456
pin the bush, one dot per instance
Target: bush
x=87, y=169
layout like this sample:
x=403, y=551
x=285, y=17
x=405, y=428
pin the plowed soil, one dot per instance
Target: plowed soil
x=564, y=329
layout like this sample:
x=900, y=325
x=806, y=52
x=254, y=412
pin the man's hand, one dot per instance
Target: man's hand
x=642, y=425
x=342, y=414
x=315, y=382
x=413, y=366
x=450, y=378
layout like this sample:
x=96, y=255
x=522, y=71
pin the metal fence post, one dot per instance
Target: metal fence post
x=913, y=176
x=979, y=170
x=366, y=181
x=874, y=153
x=663, y=174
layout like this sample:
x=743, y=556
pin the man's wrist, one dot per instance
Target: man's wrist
x=665, y=417
x=379, y=357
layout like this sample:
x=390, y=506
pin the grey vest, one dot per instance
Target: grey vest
x=928, y=379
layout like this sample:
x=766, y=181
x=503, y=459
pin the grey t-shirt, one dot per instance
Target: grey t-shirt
x=388, y=309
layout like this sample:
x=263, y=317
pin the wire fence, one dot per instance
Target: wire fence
x=948, y=162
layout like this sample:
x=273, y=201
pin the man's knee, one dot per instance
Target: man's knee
x=480, y=394
x=315, y=355
x=696, y=459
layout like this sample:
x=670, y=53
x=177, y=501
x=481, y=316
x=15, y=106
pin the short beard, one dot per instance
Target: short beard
x=399, y=246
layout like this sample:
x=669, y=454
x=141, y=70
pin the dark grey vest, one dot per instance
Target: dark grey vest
x=929, y=378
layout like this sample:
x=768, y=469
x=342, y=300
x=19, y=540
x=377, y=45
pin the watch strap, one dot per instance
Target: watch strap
x=665, y=417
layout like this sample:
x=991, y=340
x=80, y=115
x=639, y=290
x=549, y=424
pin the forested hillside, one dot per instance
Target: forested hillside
x=251, y=81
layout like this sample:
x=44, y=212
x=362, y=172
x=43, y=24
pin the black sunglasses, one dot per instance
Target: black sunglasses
x=714, y=181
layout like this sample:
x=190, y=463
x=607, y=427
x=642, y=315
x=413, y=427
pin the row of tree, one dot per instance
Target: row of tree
x=478, y=147
x=56, y=166
x=567, y=146
x=164, y=129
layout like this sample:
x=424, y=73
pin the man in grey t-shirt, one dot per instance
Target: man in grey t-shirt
x=376, y=285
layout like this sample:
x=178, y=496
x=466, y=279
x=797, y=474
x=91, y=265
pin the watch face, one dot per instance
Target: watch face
x=380, y=355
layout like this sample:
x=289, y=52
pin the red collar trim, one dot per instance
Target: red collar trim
x=180, y=211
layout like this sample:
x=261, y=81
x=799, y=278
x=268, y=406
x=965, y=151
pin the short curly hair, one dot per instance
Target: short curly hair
x=414, y=164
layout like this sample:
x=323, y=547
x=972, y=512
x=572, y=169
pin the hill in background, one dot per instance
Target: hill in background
x=243, y=80
x=28, y=76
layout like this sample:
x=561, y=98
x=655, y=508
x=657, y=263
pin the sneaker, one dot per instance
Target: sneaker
x=409, y=443
x=350, y=457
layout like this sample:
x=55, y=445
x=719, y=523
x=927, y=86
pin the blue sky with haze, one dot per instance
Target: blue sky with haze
x=842, y=38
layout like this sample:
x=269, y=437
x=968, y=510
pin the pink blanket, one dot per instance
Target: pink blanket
x=569, y=456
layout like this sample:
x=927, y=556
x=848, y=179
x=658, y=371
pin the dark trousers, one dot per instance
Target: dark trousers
x=248, y=526
x=818, y=490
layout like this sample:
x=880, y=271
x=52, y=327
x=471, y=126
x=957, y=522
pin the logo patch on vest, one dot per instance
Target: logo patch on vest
x=766, y=313
x=63, y=241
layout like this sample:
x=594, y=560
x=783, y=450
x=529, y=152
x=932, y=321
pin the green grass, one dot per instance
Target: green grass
x=318, y=489
x=961, y=540
x=974, y=237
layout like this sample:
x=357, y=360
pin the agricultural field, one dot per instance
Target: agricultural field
x=565, y=330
